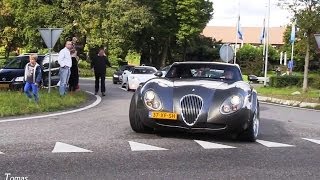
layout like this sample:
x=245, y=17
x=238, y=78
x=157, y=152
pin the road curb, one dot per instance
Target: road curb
x=288, y=103
x=95, y=103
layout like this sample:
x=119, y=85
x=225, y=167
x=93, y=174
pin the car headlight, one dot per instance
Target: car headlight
x=232, y=104
x=19, y=79
x=152, y=100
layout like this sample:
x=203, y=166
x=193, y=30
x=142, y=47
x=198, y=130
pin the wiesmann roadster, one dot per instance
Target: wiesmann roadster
x=197, y=97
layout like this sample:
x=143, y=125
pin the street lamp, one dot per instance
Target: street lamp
x=152, y=39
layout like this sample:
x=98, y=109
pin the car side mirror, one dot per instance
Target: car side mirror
x=158, y=74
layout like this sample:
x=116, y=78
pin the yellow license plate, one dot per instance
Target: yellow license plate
x=163, y=115
x=4, y=85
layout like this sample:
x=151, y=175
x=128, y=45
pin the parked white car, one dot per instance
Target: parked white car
x=131, y=79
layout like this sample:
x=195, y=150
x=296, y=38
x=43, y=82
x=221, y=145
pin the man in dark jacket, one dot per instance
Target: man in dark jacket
x=99, y=64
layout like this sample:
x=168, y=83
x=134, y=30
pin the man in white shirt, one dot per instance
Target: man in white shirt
x=65, y=62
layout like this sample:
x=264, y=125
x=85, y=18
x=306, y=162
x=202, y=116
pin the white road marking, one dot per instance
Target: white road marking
x=98, y=100
x=210, y=145
x=312, y=140
x=1, y=152
x=135, y=146
x=66, y=148
x=273, y=144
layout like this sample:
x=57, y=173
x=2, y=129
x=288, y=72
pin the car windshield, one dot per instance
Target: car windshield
x=207, y=71
x=144, y=70
x=123, y=68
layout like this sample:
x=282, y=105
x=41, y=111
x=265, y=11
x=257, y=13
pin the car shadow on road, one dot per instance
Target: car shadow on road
x=271, y=130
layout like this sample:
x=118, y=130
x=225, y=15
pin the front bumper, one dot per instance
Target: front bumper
x=236, y=122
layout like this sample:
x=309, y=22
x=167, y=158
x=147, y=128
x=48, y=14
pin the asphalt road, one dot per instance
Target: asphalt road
x=99, y=144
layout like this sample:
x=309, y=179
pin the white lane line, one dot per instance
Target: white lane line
x=1, y=152
x=67, y=148
x=122, y=88
x=273, y=144
x=135, y=146
x=312, y=140
x=210, y=145
x=98, y=100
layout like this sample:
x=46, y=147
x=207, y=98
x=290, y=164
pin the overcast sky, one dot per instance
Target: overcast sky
x=252, y=13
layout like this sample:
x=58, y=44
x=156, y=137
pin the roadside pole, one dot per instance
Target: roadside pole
x=50, y=37
x=317, y=37
x=267, y=48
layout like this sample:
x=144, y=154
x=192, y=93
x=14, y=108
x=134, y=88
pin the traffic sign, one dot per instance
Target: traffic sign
x=50, y=35
x=226, y=53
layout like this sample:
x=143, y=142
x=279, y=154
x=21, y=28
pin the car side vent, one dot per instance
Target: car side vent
x=191, y=106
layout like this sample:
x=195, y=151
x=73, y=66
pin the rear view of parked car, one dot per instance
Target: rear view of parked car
x=117, y=75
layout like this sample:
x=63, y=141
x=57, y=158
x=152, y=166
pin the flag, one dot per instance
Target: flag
x=293, y=32
x=263, y=32
x=239, y=32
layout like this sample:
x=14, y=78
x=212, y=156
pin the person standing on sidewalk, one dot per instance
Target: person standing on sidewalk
x=32, y=78
x=99, y=64
x=65, y=62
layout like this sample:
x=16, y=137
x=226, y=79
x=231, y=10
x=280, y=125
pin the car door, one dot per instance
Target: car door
x=54, y=69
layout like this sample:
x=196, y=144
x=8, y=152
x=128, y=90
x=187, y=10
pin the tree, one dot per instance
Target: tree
x=175, y=24
x=307, y=14
x=8, y=30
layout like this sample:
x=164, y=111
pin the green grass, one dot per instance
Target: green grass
x=313, y=95
x=16, y=103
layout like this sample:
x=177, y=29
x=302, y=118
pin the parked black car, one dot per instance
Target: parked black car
x=116, y=78
x=11, y=75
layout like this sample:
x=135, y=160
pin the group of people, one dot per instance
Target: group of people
x=69, y=72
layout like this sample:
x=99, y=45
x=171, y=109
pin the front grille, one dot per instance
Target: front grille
x=191, y=106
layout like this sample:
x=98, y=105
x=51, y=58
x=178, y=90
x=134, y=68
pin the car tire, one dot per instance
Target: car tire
x=115, y=82
x=127, y=86
x=135, y=121
x=252, y=132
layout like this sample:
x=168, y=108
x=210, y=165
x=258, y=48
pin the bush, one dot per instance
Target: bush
x=284, y=81
x=84, y=64
x=89, y=73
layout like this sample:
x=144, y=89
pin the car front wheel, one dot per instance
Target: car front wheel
x=135, y=121
x=127, y=86
x=251, y=134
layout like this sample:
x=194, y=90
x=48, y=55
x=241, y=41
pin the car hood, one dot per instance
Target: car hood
x=201, y=83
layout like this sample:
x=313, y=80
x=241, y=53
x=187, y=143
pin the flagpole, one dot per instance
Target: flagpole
x=292, y=38
x=267, y=48
x=235, y=46
x=237, y=27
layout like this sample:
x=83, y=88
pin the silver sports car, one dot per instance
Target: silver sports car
x=197, y=97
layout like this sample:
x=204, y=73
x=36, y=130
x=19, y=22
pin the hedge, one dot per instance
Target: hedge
x=285, y=81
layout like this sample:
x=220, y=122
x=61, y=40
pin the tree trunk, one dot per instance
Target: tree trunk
x=7, y=52
x=306, y=68
x=184, y=49
x=164, y=53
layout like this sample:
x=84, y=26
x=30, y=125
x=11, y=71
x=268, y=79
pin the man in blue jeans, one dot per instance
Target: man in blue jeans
x=32, y=78
x=65, y=62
